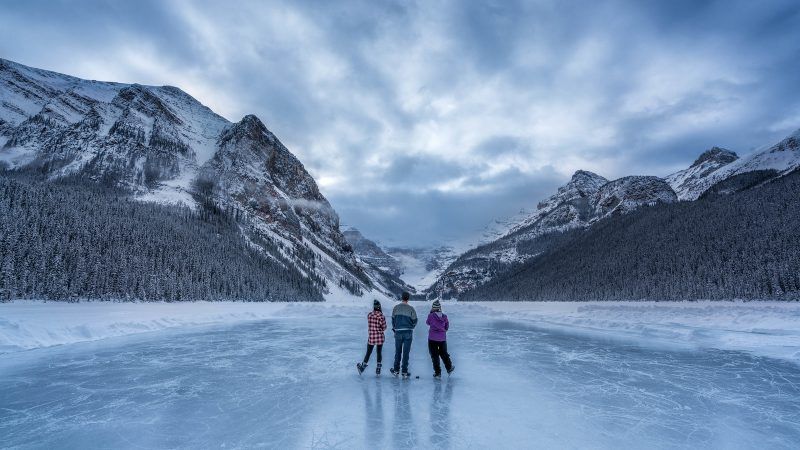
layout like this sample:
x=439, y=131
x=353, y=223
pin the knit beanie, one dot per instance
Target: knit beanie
x=437, y=307
x=376, y=305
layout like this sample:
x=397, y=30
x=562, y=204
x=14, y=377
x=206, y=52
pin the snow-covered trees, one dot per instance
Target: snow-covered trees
x=68, y=240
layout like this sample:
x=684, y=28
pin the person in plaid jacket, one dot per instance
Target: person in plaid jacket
x=376, y=326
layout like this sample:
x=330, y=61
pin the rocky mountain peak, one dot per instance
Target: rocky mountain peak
x=582, y=184
x=691, y=182
x=585, y=179
x=629, y=193
x=717, y=155
x=252, y=129
x=585, y=175
x=252, y=123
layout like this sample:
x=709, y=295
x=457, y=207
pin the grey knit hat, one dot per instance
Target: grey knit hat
x=436, y=306
x=376, y=305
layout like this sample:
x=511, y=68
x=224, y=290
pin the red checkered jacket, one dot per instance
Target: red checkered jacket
x=377, y=325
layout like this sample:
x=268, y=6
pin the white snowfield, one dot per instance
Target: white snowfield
x=769, y=329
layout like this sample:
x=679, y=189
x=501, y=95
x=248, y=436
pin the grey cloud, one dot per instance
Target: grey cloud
x=436, y=218
x=502, y=145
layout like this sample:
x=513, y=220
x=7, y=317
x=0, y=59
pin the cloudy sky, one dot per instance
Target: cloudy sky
x=423, y=122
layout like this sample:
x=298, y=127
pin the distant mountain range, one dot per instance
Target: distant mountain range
x=161, y=145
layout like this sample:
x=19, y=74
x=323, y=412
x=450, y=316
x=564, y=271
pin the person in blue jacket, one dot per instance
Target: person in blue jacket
x=404, y=319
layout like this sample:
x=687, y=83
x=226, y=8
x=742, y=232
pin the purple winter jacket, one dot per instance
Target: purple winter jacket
x=439, y=326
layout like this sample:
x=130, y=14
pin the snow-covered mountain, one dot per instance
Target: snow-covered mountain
x=717, y=165
x=163, y=145
x=586, y=198
x=690, y=183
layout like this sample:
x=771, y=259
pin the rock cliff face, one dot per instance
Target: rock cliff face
x=163, y=145
x=630, y=193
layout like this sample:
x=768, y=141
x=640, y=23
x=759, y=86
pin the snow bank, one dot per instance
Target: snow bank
x=27, y=324
x=769, y=329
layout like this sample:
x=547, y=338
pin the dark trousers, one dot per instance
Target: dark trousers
x=439, y=350
x=402, y=345
x=369, y=353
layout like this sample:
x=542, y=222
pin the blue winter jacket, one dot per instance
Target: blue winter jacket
x=404, y=317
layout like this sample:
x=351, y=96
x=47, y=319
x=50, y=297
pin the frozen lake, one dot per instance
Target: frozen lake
x=291, y=383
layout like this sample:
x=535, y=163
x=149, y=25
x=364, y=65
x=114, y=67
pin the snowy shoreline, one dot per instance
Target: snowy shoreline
x=769, y=329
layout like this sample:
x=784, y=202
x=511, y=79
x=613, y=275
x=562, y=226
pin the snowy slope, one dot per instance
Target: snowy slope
x=782, y=157
x=716, y=165
x=691, y=182
x=165, y=146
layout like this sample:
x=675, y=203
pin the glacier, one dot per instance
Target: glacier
x=562, y=375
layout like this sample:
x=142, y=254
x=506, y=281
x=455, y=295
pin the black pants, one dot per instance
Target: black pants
x=369, y=353
x=439, y=350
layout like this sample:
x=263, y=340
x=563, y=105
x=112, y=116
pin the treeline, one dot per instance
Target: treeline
x=67, y=240
x=739, y=246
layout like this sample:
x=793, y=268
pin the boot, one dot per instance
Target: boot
x=378, y=369
x=361, y=367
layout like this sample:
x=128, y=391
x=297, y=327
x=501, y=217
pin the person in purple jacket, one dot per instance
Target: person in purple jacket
x=437, y=340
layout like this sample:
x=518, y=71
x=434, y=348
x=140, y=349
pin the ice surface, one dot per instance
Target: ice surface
x=290, y=382
x=762, y=328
